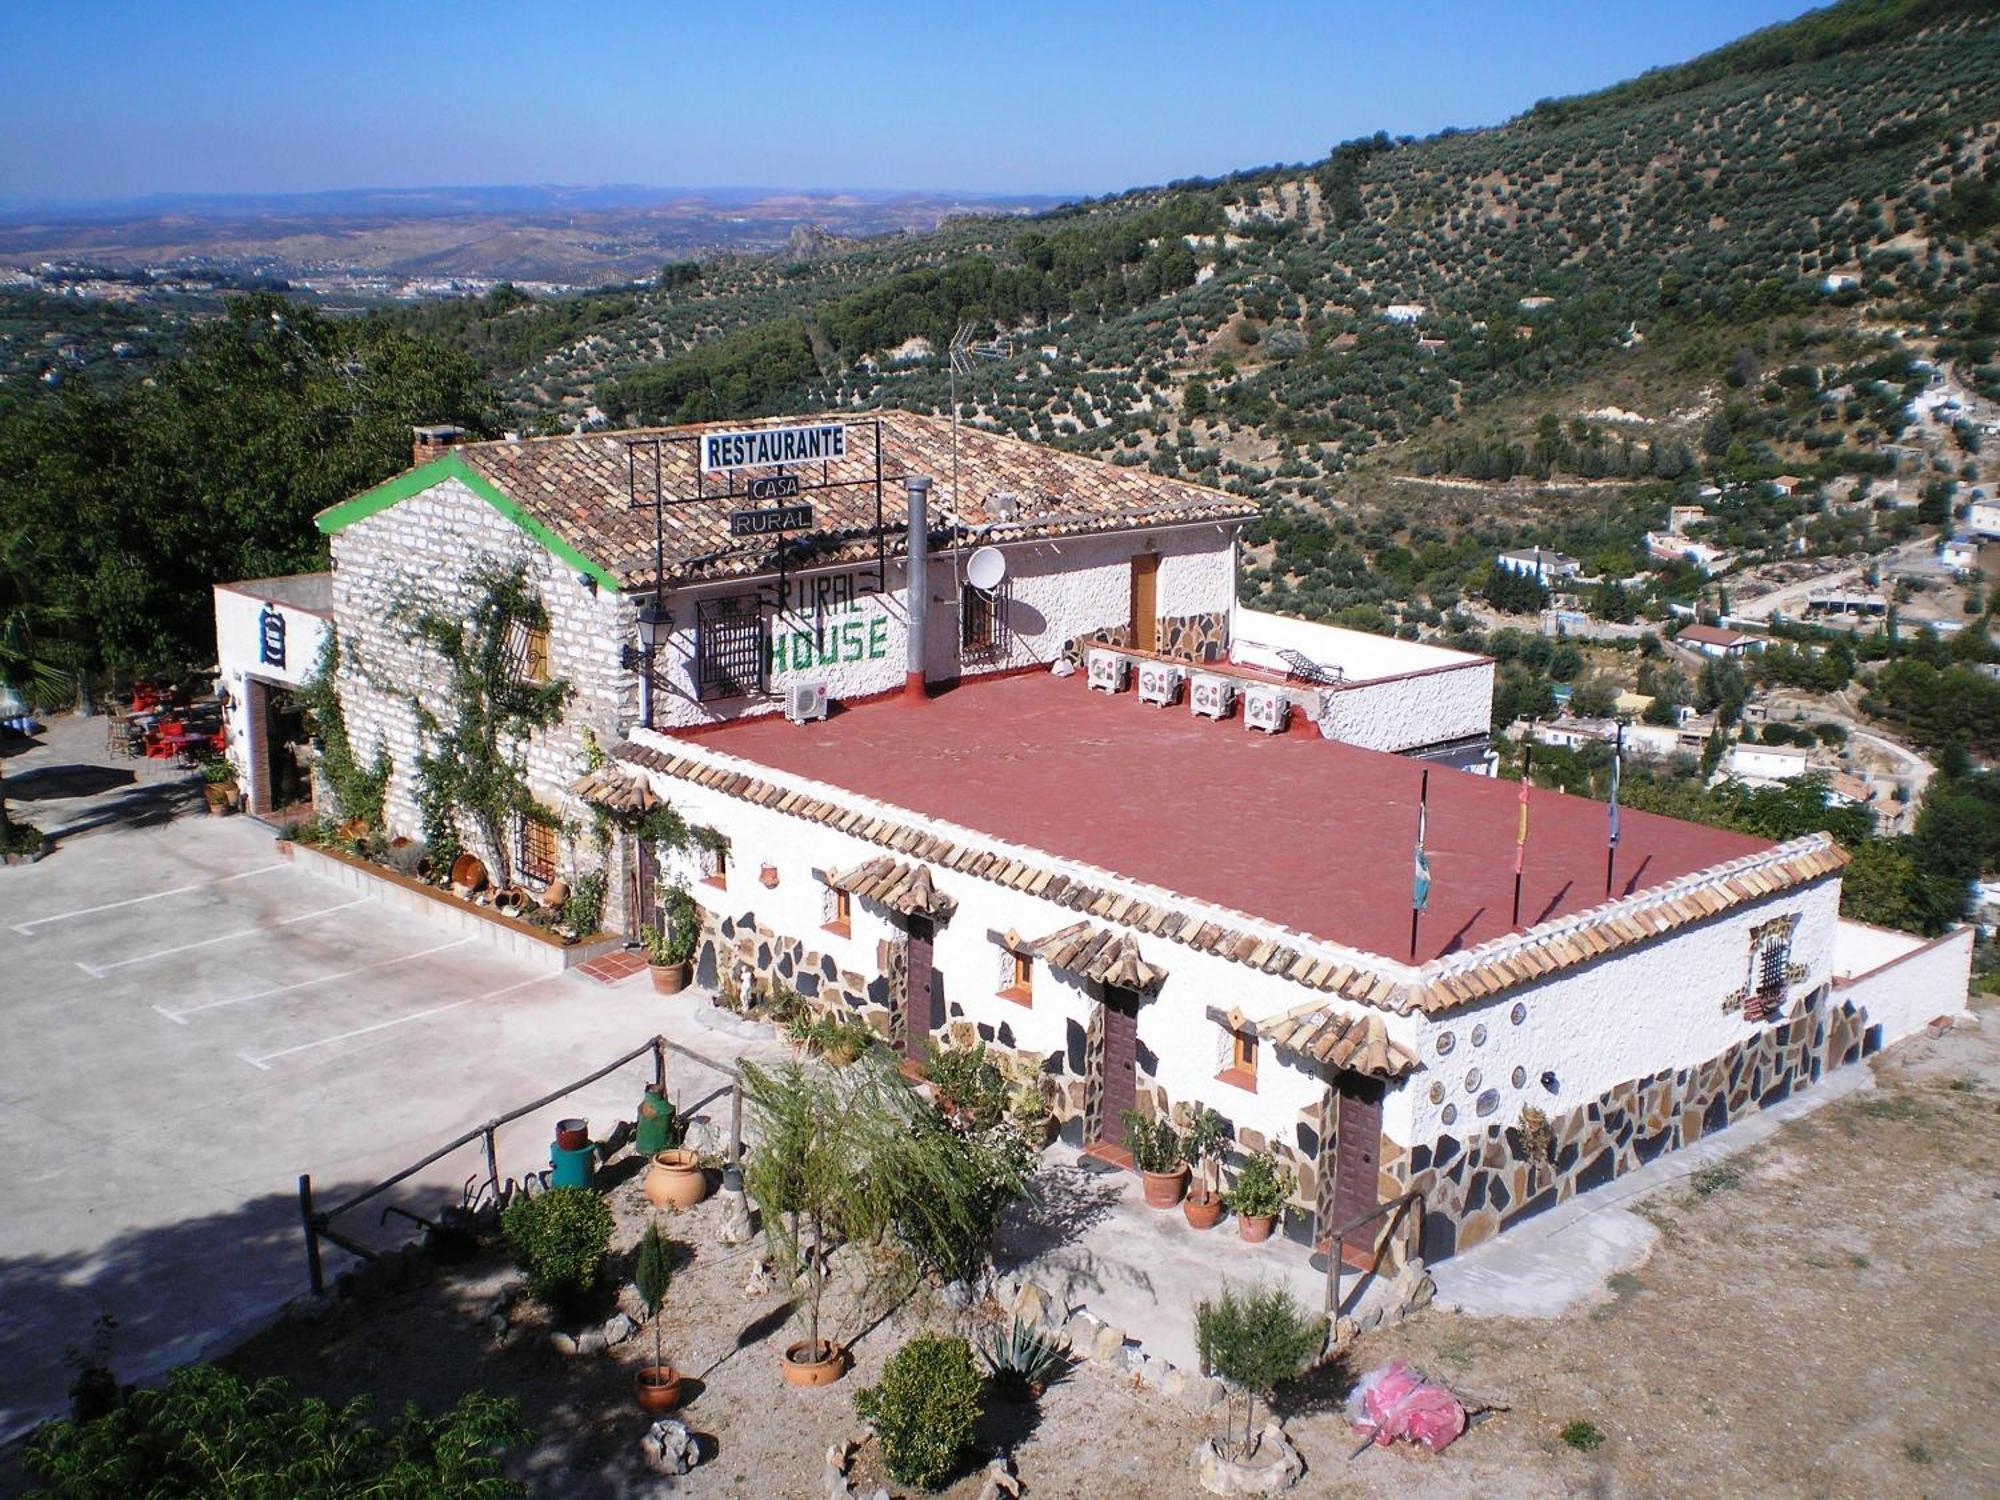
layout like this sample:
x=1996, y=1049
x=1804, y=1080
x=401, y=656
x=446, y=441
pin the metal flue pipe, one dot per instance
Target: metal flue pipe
x=917, y=588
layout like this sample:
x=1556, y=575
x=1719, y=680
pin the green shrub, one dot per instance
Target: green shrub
x=1154, y=1144
x=1582, y=1435
x=1262, y=1187
x=924, y=1409
x=207, y=1432
x=560, y=1237
x=1257, y=1338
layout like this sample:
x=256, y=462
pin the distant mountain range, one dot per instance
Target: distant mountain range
x=586, y=235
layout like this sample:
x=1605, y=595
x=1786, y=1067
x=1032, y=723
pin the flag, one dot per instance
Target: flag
x=1617, y=763
x=1420, y=888
x=1521, y=837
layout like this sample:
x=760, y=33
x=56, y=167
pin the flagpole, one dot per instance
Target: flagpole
x=1611, y=847
x=1420, y=889
x=1521, y=839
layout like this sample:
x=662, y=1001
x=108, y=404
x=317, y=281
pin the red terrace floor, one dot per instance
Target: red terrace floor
x=1294, y=829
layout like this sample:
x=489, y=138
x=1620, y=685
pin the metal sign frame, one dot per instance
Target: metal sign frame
x=654, y=496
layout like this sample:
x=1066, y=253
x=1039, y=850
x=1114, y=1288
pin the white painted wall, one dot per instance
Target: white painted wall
x=1766, y=762
x=1636, y=1011
x=1903, y=982
x=1174, y=1025
x=238, y=638
x=1383, y=704
x=835, y=629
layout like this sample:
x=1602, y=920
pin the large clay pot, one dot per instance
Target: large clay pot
x=1203, y=1209
x=467, y=875
x=676, y=1179
x=671, y=979
x=657, y=1388
x=819, y=1367
x=1164, y=1189
x=1255, y=1227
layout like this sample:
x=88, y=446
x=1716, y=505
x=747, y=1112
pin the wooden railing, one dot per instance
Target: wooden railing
x=1411, y=1203
x=318, y=1222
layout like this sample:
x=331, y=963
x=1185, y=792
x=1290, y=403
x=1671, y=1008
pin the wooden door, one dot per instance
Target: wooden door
x=919, y=989
x=1357, y=1153
x=642, y=897
x=1120, y=1064
x=1146, y=601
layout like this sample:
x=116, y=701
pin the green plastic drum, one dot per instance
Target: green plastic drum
x=572, y=1168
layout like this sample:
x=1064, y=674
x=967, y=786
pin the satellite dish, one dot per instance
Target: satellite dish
x=985, y=568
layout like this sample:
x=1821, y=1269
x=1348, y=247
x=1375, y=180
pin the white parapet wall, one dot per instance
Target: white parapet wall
x=1394, y=695
x=1901, y=982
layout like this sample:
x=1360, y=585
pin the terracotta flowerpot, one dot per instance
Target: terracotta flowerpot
x=1164, y=1189
x=804, y=1366
x=1203, y=1209
x=1255, y=1227
x=572, y=1135
x=656, y=1388
x=513, y=901
x=220, y=797
x=467, y=875
x=671, y=979
x=676, y=1179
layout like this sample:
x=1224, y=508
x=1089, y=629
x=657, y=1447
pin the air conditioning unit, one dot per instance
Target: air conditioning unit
x=1210, y=696
x=1107, y=671
x=1160, y=683
x=805, y=700
x=1266, y=708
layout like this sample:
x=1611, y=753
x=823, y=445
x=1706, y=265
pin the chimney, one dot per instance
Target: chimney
x=430, y=442
x=917, y=584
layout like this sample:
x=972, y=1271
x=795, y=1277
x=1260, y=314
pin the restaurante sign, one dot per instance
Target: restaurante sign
x=763, y=447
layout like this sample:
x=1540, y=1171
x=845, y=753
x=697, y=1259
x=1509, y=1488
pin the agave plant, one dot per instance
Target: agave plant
x=1021, y=1359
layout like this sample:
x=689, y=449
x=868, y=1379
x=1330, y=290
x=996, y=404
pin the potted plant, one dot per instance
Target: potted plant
x=656, y=1387
x=670, y=948
x=1202, y=1142
x=1156, y=1151
x=1259, y=1196
x=219, y=789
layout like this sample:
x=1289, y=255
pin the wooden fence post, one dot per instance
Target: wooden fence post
x=306, y=1218
x=492, y=1161
x=736, y=1123
x=660, y=1066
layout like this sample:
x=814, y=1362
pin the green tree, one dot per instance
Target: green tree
x=28, y=668
x=1878, y=885
x=1259, y=1338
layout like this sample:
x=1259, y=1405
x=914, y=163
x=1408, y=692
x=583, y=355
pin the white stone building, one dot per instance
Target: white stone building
x=1105, y=819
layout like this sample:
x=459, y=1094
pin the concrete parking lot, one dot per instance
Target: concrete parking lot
x=191, y=1022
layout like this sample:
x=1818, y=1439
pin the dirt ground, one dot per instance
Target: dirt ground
x=1819, y=1318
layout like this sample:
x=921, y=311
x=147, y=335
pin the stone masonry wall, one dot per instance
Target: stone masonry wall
x=418, y=555
x=1475, y=1186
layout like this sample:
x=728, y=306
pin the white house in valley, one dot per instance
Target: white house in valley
x=1001, y=756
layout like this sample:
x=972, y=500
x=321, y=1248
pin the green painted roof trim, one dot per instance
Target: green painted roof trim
x=452, y=466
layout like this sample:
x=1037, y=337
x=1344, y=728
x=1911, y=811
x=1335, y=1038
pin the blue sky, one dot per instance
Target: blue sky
x=117, y=99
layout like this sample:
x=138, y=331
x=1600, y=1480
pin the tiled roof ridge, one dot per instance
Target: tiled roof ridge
x=1439, y=985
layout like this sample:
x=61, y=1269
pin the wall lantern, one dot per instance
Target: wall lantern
x=653, y=624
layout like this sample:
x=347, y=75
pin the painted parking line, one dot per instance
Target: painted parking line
x=264, y=1062
x=306, y=984
x=28, y=928
x=98, y=971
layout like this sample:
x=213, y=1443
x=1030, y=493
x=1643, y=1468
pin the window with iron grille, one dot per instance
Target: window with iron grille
x=536, y=855
x=530, y=652
x=982, y=617
x=728, y=648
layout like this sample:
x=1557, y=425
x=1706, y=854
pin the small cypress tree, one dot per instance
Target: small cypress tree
x=653, y=1273
x=1258, y=1338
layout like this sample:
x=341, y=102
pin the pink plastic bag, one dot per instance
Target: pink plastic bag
x=1396, y=1402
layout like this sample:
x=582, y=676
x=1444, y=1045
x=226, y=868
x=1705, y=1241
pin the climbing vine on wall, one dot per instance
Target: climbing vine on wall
x=472, y=766
x=357, y=789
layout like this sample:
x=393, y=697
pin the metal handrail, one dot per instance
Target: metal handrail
x=1333, y=1268
x=317, y=1222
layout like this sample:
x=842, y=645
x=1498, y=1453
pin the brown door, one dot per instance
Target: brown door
x=642, y=899
x=1357, y=1151
x=919, y=990
x=1146, y=601
x=1120, y=1064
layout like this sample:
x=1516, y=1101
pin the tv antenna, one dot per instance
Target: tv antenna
x=965, y=356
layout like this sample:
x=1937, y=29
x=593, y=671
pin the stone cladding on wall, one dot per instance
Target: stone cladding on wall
x=1476, y=1186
